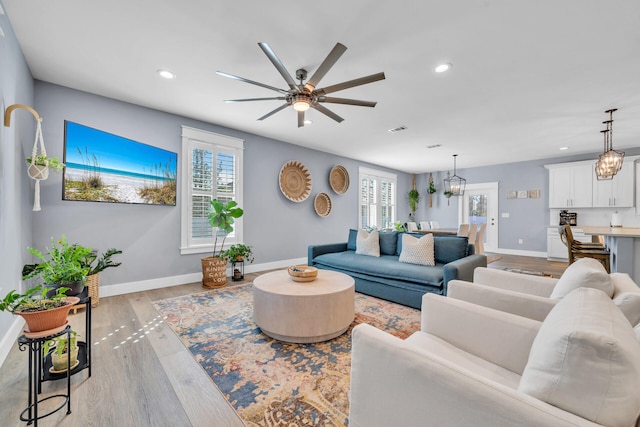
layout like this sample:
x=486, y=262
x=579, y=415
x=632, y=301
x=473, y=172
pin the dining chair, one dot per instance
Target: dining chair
x=480, y=238
x=434, y=224
x=473, y=233
x=577, y=249
x=412, y=227
x=463, y=230
x=424, y=225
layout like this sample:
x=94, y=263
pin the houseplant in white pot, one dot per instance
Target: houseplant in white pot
x=60, y=352
x=221, y=217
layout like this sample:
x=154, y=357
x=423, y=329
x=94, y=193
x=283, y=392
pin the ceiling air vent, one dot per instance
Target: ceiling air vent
x=398, y=129
x=434, y=146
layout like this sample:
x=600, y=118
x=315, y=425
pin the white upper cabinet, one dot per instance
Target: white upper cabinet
x=571, y=185
x=617, y=192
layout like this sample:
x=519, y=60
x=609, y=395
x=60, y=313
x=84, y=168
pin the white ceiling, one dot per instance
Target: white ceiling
x=528, y=77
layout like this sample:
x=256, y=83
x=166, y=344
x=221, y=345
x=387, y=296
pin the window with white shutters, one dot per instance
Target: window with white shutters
x=211, y=169
x=377, y=199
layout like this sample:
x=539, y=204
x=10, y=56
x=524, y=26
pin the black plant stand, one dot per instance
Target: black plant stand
x=34, y=345
x=84, y=348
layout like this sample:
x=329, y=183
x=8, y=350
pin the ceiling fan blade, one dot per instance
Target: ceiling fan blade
x=300, y=119
x=242, y=79
x=351, y=83
x=279, y=65
x=327, y=112
x=280, y=108
x=326, y=65
x=280, y=98
x=346, y=101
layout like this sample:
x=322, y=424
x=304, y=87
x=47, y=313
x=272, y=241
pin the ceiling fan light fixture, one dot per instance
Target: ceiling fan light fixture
x=301, y=103
x=166, y=74
x=442, y=68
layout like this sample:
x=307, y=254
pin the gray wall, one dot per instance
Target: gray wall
x=16, y=87
x=277, y=228
x=528, y=218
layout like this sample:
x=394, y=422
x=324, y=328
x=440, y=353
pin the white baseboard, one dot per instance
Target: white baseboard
x=164, y=282
x=536, y=254
x=9, y=339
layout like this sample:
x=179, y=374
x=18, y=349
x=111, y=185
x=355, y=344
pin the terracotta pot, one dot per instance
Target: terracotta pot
x=47, y=320
x=214, y=272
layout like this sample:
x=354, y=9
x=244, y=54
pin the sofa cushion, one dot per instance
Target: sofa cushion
x=629, y=304
x=586, y=360
x=388, y=242
x=351, y=242
x=384, y=267
x=417, y=250
x=637, y=331
x=623, y=283
x=585, y=272
x=368, y=243
x=450, y=248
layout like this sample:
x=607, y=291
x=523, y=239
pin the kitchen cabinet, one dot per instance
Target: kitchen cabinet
x=571, y=185
x=617, y=192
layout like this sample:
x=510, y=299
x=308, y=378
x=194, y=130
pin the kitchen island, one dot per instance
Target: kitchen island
x=624, y=245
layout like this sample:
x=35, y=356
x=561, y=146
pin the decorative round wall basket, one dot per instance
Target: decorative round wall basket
x=339, y=179
x=295, y=181
x=322, y=204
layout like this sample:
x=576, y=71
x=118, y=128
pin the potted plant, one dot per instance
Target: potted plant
x=432, y=189
x=235, y=254
x=60, y=352
x=414, y=197
x=39, y=166
x=96, y=265
x=221, y=217
x=43, y=313
x=63, y=265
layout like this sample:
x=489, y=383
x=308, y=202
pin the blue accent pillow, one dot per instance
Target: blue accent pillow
x=450, y=248
x=388, y=242
x=351, y=242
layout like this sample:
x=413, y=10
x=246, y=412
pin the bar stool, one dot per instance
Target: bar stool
x=578, y=249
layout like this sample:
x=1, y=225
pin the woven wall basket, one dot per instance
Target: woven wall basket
x=322, y=204
x=295, y=181
x=214, y=272
x=339, y=179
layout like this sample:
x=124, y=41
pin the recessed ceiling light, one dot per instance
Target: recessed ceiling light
x=564, y=148
x=166, y=74
x=443, y=68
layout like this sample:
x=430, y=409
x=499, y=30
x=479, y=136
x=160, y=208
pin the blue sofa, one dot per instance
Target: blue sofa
x=387, y=278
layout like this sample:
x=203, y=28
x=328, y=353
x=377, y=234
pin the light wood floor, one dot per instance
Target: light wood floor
x=142, y=374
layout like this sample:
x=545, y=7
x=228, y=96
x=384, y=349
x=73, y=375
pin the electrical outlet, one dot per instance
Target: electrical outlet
x=519, y=241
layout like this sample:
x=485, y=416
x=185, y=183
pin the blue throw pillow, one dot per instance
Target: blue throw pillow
x=351, y=243
x=450, y=248
x=388, y=242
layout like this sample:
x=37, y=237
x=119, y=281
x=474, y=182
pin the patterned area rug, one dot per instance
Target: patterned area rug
x=268, y=382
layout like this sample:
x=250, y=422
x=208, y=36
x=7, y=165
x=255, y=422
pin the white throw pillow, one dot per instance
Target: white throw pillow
x=586, y=360
x=585, y=272
x=629, y=304
x=368, y=243
x=622, y=283
x=418, y=250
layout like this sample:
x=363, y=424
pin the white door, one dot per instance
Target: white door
x=478, y=205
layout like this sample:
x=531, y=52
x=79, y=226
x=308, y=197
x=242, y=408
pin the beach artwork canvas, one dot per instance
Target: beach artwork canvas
x=102, y=167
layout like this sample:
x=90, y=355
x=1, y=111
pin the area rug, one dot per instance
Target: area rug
x=529, y=272
x=268, y=382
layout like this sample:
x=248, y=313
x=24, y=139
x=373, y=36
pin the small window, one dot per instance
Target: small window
x=377, y=199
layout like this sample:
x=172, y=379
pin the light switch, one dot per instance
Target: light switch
x=505, y=215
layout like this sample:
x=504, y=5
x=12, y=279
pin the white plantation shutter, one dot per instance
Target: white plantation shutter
x=211, y=169
x=377, y=199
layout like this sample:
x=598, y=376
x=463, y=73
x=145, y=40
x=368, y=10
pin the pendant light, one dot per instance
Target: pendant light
x=454, y=185
x=610, y=161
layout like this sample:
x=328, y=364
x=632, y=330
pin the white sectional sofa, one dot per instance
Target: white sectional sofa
x=475, y=366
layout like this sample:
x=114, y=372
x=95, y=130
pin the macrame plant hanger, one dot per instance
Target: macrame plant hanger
x=35, y=171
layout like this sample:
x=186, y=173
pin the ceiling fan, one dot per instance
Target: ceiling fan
x=302, y=96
